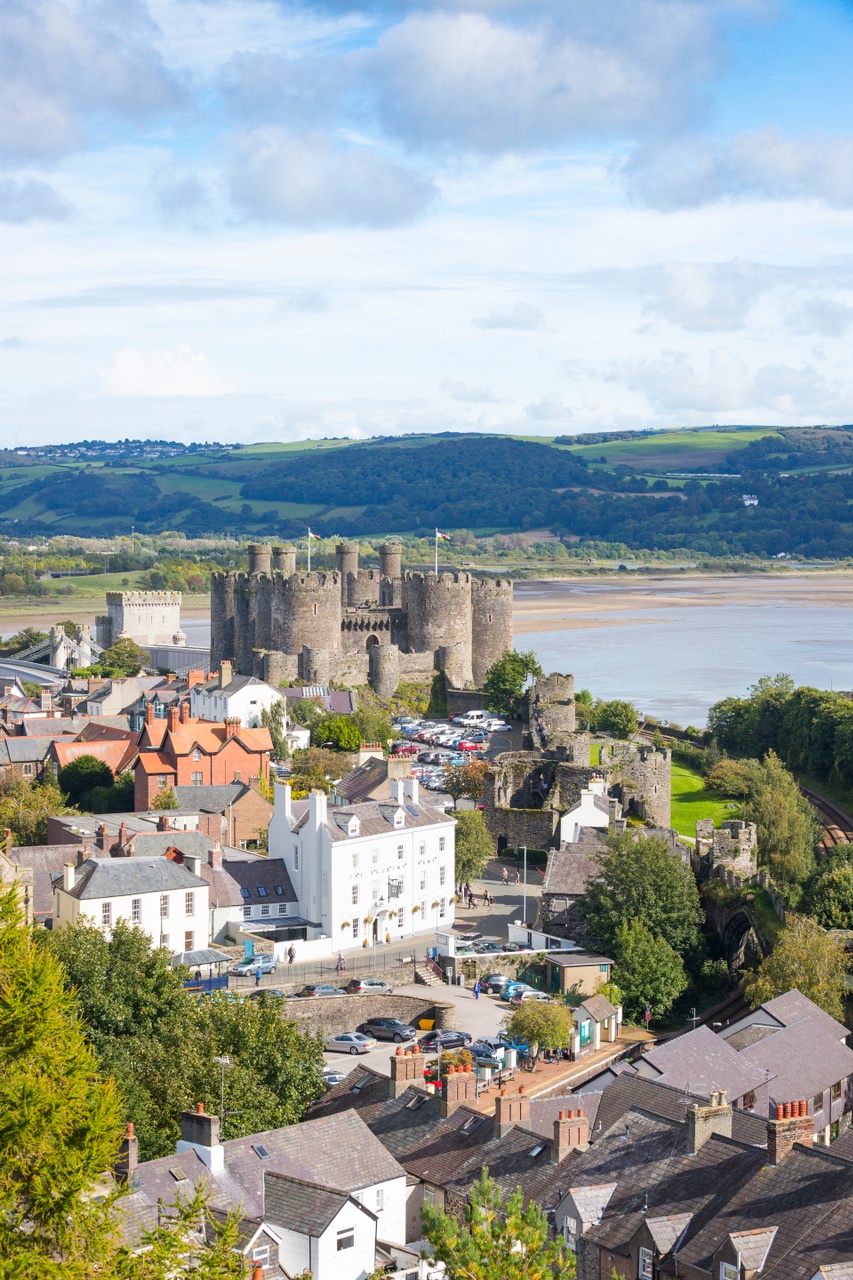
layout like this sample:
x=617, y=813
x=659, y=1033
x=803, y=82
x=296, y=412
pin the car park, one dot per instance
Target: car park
x=497, y=726
x=531, y=997
x=368, y=987
x=388, y=1029
x=253, y=965
x=467, y=745
x=350, y=1042
x=433, y=1040
x=489, y=946
x=404, y=749
x=494, y=982
x=512, y=987
x=265, y=993
x=321, y=989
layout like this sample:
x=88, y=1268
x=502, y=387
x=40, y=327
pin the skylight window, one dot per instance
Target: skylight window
x=262, y=893
x=537, y=1150
x=244, y=892
x=412, y=810
x=179, y=1175
x=279, y=891
x=471, y=1124
x=260, y=1151
x=414, y=1103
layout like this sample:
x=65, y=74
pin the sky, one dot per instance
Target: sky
x=245, y=220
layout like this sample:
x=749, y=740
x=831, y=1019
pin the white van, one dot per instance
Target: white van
x=474, y=718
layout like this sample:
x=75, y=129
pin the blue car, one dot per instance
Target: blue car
x=257, y=964
x=512, y=988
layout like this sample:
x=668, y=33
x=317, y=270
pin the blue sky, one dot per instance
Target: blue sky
x=252, y=220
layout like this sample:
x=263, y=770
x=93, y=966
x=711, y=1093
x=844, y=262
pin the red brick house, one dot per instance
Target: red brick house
x=181, y=752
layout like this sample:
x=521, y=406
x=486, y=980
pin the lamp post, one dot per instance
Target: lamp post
x=224, y=1063
x=379, y=910
x=524, y=892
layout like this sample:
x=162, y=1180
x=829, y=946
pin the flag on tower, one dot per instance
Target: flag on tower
x=443, y=537
x=315, y=536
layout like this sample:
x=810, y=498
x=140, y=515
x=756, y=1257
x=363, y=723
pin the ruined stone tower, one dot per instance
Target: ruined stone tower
x=357, y=625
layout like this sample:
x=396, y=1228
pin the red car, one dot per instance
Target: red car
x=465, y=745
x=407, y=749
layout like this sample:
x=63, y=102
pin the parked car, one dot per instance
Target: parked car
x=265, y=993
x=528, y=997
x=321, y=989
x=388, y=1029
x=368, y=987
x=471, y=936
x=497, y=726
x=484, y=946
x=404, y=749
x=257, y=964
x=467, y=744
x=484, y=1055
x=512, y=987
x=333, y=1075
x=351, y=1042
x=494, y=982
x=445, y=1039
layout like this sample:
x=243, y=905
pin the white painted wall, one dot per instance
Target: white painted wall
x=247, y=703
x=392, y=1214
x=166, y=930
x=585, y=813
x=348, y=1264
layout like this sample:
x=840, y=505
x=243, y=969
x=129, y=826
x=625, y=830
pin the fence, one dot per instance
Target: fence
x=396, y=967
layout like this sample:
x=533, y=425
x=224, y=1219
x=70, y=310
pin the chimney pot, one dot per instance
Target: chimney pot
x=199, y=1108
x=580, y=1113
x=129, y=1130
x=786, y=1111
x=780, y=1111
x=562, y=1115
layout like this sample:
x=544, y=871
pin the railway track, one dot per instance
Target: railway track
x=837, y=824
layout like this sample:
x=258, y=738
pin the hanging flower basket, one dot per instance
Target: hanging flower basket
x=369, y=919
x=346, y=924
x=436, y=903
x=415, y=910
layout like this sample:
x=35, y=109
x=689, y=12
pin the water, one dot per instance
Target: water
x=675, y=657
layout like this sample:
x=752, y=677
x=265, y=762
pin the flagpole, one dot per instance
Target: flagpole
x=436, y=553
x=309, y=550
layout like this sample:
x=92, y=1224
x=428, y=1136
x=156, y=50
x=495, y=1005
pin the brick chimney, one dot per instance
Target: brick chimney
x=128, y=1155
x=571, y=1130
x=122, y=834
x=194, y=677
x=510, y=1110
x=82, y=855
x=702, y=1121
x=232, y=725
x=185, y=712
x=200, y=1133
x=102, y=837
x=226, y=673
x=407, y=1068
x=174, y=719
x=214, y=858
x=792, y=1123
x=458, y=1087
x=149, y=713
x=164, y=822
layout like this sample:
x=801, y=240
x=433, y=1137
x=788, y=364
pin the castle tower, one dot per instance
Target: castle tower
x=263, y=611
x=244, y=622
x=307, y=612
x=260, y=556
x=491, y=624
x=391, y=574
x=221, y=618
x=384, y=669
x=439, y=617
x=284, y=560
x=346, y=559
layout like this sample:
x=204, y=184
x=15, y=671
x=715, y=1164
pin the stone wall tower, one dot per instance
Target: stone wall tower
x=307, y=612
x=491, y=624
x=260, y=557
x=346, y=559
x=284, y=560
x=439, y=617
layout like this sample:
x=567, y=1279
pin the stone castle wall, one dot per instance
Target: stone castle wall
x=148, y=617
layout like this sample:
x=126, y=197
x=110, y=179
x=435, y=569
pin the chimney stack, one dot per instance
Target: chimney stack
x=128, y=1155
x=458, y=1087
x=122, y=835
x=174, y=719
x=200, y=1133
x=571, y=1131
x=102, y=838
x=407, y=1068
x=232, y=725
x=792, y=1123
x=714, y=1117
x=510, y=1110
x=214, y=858
x=226, y=673
x=8, y=841
x=185, y=712
x=164, y=822
x=68, y=876
x=149, y=713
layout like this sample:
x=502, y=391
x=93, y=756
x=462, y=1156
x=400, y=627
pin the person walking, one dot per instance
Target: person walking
x=257, y=977
x=477, y=989
x=505, y=875
x=517, y=876
x=291, y=954
x=341, y=965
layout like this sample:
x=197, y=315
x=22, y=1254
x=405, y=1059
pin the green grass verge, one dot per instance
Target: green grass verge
x=674, y=451
x=692, y=800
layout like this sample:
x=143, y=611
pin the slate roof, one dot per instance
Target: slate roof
x=703, y=1061
x=265, y=873
x=123, y=877
x=301, y=1206
x=360, y=784
x=23, y=750
x=597, y=1007
x=153, y=844
x=210, y=799
x=374, y=822
x=571, y=868
x=801, y=1060
x=46, y=861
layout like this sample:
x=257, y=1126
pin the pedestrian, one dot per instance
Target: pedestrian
x=258, y=977
x=477, y=989
x=505, y=874
x=468, y=887
x=341, y=965
x=198, y=975
x=291, y=954
x=517, y=876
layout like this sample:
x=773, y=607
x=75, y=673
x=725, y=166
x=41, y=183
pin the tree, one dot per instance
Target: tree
x=805, y=958
x=584, y=709
x=648, y=970
x=830, y=897
x=498, y=1240
x=125, y=657
x=304, y=711
x=25, y=808
x=788, y=831
x=641, y=881
x=32, y=688
x=541, y=1025
x=339, y=731
x=165, y=799
x=468, y=779
x=733, y=777
x=618, y=718
x=60, y=1119
x=27, y=636
x=78, y=778
x=503, y=686
x=373, y=723
x=474, y=846
x=117, y=798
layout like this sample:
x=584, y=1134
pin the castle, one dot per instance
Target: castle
x=148, y=617
x=357, y=626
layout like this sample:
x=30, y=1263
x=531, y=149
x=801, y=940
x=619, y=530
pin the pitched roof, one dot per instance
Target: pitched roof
x=210, y=799
x=363, y=781
x=377, y=818
x=597, y=1007
x=45, y=861
x=155, y=762
x=571, y=868
x=23, y=750
x=123, y=877
x=115, y=754
x=267, y=874
x=301, y=1206
x=703, y=1061
x=153, y=844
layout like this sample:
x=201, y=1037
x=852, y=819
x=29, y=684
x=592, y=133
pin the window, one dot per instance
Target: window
x=28, y=770
x=442, y=907
x=728, y=1271
x=836, y=1091
x=197, y=779
x=106, y=913
x=401, y=917
x=817, y=1102
x=162, y=781
x=355, y=862
x=282, y=908
x=196, y=756
x=422, y=851
x=189, y=940
x=135, y=910
x=164, y=940
x=262, y=893
x=374, y=857
x=442, y=843
x=58, y=905
x=355, y=895
x=423, y=880
x=401, y=850
x=346, y=1238
x=355, y=926
x=247, y=913
x=296, y=857
x=380, y=1199
x=265, y=910
x=645, y=1264
x=189, y=903
x=279, y=891
x=261, y=1253
x=442, y=875
x=748, y=1103
x=244, y=892
x=602, y=968
x=429, y=1194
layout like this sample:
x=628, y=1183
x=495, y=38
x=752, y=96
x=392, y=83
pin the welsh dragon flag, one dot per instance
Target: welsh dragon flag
x=442, y=537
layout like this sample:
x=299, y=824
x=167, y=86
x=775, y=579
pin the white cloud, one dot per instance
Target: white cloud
x=707, y=296
x=549, y=408
x=30, y=200
x=823, y=316
x=179, y=372
x=763, y=164
x=522, y=316
x=314, y=180
x=467, y=392
x=672, y=385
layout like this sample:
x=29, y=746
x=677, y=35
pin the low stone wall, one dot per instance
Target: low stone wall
x=462, y=700
x=335, y=1014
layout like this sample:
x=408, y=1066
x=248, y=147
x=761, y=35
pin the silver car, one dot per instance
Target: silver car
x=351, y=1042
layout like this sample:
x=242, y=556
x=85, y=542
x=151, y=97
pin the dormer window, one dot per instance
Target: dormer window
x=645, y=1264
x=399, y=818
x=728, y=1271
x=354, y=826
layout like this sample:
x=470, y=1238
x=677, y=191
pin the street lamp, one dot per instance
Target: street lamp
x=224, y=1063
x=379, y=910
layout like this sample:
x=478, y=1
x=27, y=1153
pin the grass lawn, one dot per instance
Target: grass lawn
x=692, y=800
x=594, y=754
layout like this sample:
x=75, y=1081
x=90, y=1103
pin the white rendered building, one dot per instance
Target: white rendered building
x=594, y=809
x=225, y=696
x=166, y=900
x=364, y=871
